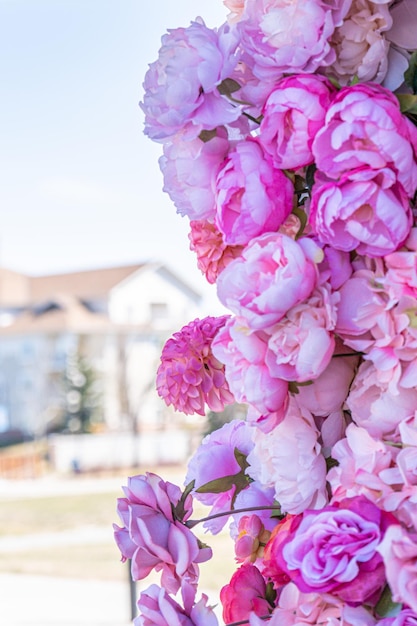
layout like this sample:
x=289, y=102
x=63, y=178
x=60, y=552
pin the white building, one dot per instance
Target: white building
x=116, y=319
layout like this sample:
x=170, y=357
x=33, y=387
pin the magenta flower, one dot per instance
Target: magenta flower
x=246, y=592
x=153, y=538
x=190, y=376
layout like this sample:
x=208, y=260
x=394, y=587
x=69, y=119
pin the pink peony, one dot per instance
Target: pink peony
x=244, y=354
x=273, y=274
x=289, y=459
x=335, y=550
x=213, y=254
x=276, y=41
x=189, y=375
x=181, y=87
x=252, y=196
x=292, y=115
x=153, y=538
x=302, y=343
x=190, y=167
x=399, y=551
x=364, y=126
x=366, y=211
x=360, y=44
x=157, y=608
x=251, y=539
x=245, y=593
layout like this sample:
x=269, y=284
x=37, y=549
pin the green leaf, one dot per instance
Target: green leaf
x=228, y=86
x=206, y=135
x=179, y=509
x=241, y=459
x=386, y=607
x=330, y=462
x=410, y=74
x=408, y=103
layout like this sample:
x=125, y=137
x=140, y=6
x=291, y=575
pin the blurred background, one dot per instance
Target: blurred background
x=95, y=275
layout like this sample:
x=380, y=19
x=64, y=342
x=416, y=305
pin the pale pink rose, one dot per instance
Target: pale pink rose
x=190, y=168
x=360, y=44
x=153, y=538
x=292, y=115
x=375, y=408
x=243, y=353
x=246, y=592
x=213, y=255
x=401, y=275
x=364, y=126
x=273, y=274
x=252, y=196
x=157, y=608
x=276, y=42
x=361, y=461
x=327, y=393
x=302, y=343
x=293, y=465
x=334, y=550
x=402, y=478
x=399, y=551
x=181, y=87
x=295, y=608
x=189, y=375
x=236, y=9
x=366, y=211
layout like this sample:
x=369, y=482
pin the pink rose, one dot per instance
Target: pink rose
x=276, y=41
x=157, y=608
x=399, y=551
x=292, y=465
x=335, y=550
x=252, y=196
x=365, y=210
x=273, y=274
x=213, y=254
x=153, y=538
x=190, y=167
x=243, y=353
x=364, y=126
x=245, y=593
x=181, y=87
x=292, y=115
x=302, y=343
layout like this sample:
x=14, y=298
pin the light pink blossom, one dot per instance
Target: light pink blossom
x=302, y=343
x=190, y=167
x=366, y=211
x=273, y=274
x=153, y=538
x=157, y=608
x=292, y=115
x=289, y=459
x=190, y=376
x=213, y=254
x=276, y=42
x=251, y=539
x=399, y=551
x=364, y=126
x=295, y=608
x=181, y=87
x=252, y=196
x=360, y=43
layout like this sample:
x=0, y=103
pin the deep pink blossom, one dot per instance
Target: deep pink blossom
x=252, y=196
x=245, y=593
x=335, y=550
x=273, y=274
x=153, y=538
x=293, y=114
x=364, y=127
x=181, y=87
x=366, y=211
x=190, y=376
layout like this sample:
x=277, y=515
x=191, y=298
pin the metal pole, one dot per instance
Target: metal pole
x=132, y=591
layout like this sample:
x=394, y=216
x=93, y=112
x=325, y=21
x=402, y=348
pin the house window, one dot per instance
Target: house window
x=159, y=311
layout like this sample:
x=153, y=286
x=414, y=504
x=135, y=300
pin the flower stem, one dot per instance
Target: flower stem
x=193, y=522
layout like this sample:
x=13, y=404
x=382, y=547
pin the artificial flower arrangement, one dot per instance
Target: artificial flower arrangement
x=290, y=142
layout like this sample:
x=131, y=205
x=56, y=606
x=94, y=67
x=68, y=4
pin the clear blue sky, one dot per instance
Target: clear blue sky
x=79, y=184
